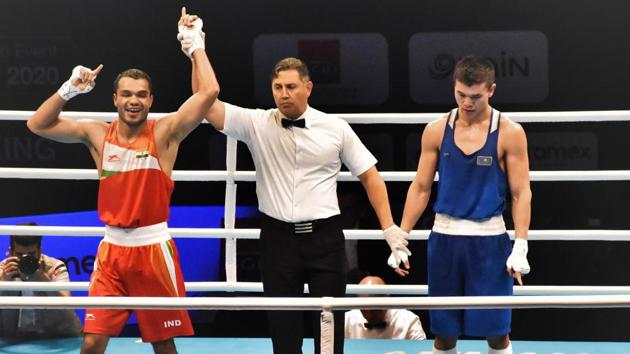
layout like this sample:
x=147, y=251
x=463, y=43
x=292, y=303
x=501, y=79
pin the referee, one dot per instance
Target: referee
x=298, y=152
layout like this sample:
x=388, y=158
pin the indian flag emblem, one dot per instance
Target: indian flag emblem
x=142, y=154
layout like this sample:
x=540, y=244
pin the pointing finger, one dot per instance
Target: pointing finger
x=518, y=277
x=97, y=70
x=406, y=264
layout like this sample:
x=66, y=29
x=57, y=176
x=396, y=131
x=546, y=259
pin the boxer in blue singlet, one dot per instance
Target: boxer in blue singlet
x=479, y=155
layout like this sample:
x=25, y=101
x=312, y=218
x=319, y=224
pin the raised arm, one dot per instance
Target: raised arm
x=216, y=114
x=47, y=122
x=193, y=111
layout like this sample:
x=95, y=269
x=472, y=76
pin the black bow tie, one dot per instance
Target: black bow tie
x=287, y=123
x=377, y=325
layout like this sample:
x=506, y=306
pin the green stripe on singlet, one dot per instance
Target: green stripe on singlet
x=107, y=173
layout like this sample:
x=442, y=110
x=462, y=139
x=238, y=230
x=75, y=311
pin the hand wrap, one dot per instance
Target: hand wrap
x=68, y=90
x=517, y=261
x=397, y=240
x=191, y=39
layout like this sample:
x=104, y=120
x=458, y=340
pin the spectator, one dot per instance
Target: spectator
x=26, y=262
x=382, y=324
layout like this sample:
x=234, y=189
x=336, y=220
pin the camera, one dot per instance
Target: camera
x=28, y=264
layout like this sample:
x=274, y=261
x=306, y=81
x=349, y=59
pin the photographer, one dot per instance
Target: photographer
x=26, y=262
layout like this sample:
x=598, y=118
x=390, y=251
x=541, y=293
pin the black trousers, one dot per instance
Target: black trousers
x=288, y=260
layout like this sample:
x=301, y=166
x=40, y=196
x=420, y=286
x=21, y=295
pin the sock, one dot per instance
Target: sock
x=507, y=350
x=450, y=351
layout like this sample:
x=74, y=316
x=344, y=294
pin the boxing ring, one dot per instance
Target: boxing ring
x=527, y=296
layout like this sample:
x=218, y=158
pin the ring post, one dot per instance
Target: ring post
x=230, y=210
x=327, y=328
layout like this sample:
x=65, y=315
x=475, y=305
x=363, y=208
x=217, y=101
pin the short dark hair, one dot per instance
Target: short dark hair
x=26, y=240
x=136, y=74
x=473, y=70
x=291, y=63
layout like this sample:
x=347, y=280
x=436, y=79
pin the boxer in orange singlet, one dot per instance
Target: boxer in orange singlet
x=135, y=158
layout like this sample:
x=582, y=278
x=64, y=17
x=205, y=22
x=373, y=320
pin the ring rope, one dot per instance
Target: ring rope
x=314, y=303
x=250, y=176
x=386, y=118
x=352, y=289
x=353, y=234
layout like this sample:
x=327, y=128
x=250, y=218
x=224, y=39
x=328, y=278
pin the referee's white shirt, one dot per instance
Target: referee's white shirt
x=297, y=168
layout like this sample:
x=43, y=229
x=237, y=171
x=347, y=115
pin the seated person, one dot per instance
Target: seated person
x=382, y=324
x=26, y=262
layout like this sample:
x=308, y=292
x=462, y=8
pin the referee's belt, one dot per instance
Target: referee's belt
x=302, y=227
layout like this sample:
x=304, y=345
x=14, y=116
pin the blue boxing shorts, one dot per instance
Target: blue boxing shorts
x=469, y=266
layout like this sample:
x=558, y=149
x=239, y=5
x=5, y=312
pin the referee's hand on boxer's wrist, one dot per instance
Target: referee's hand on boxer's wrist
x=190, y=33
x=397, y=240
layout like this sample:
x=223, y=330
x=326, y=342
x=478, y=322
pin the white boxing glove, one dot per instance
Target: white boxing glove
x=68, y=90
x=517, y=261
x=397, y=240
x=191, y=39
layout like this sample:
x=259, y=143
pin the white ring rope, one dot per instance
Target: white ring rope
x=352, y=289
x=314, y=303
x=535, y=235
x=387, y=118
x=593, y=298
x=250, y=176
